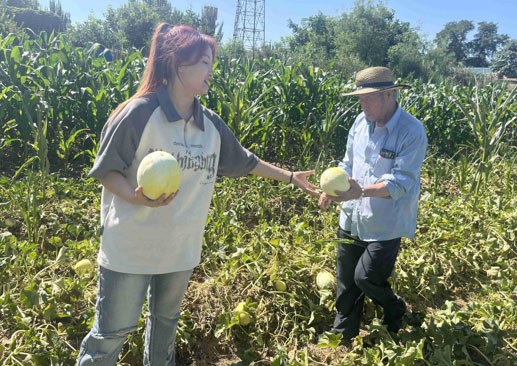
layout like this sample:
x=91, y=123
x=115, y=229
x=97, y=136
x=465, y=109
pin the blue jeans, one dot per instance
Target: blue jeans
x=120, y=298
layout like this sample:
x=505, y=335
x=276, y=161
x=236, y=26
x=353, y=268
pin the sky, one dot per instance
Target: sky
x=429, y=16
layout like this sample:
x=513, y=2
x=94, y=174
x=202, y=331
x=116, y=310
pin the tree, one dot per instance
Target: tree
x=55, y=7
x=453, y=38
x=505, y=61
x=406, y=58
x=440, y=64
x=313, y=40
x=485, y=44
x=29, y=4
x=94, y=30
x=134, y=23
x=208, y=20
x=36, y=20
x=158, y=3
x=369, y=31
x=7, y=23
x=231, y=49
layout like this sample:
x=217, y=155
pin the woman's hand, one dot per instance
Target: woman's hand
x=142, y=200
x=324, y=201
x=300, y=180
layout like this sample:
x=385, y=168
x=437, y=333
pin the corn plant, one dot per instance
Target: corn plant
x=66, y=145
x=489, y=113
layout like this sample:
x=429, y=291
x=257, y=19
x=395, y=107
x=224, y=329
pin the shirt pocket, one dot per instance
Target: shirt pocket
x=382, y=166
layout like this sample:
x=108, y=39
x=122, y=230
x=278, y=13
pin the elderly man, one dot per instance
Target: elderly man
x=384, y=154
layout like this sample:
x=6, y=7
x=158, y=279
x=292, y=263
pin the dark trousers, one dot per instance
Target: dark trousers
x=363, y=268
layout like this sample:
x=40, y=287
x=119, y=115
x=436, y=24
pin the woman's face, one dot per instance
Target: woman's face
x=196, y=78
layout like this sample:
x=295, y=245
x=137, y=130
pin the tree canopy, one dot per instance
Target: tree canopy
x=132, y=24
x=485, y=44
x=453, y=38
x=505, y=60
x=369, y=34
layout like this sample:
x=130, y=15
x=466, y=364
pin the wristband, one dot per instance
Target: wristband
x=291, y=178
x=362, y=192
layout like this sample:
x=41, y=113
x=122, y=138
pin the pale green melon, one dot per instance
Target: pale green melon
x=325, y=280
x=280, y=285
x=158, y=173
x=83, y=265
x=244, y=318
x=334, y=179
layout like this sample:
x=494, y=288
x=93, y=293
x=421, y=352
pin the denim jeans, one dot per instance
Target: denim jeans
x=120, y=298
x=363, y=268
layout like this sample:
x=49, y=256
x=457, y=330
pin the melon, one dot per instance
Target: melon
x=334, y=179
x=158, y=173
x=83, y=265
x=240, y=307
x=244, y=318
x=241, y=311
x=280, y=285
x=325, y=280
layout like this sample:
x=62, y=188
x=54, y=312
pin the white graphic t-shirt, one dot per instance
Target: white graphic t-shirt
x=140, y=239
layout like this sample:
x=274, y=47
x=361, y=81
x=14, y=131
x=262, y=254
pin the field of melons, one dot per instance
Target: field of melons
x=458, y=276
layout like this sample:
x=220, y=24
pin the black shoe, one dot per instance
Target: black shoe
x=394, y=323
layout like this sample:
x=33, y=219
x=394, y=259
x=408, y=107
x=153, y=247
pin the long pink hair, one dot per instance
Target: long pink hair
x=171, y=47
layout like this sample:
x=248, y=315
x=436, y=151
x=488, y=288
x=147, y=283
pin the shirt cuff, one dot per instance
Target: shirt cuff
x=395, y=191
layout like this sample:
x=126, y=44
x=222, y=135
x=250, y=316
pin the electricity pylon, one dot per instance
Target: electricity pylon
x=250, y=23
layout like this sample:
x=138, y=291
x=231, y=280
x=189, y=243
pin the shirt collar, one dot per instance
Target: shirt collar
x=394, y=119
x=170, y=112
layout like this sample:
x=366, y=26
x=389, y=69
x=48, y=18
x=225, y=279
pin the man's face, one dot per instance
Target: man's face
x=376, y=106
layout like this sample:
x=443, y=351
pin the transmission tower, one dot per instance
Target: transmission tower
x=250, y=23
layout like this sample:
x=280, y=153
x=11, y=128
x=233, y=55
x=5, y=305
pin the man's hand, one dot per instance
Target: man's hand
x=142, y=200
x=353, y=193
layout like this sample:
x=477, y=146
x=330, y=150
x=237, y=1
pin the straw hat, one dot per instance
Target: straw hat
x=374, y=79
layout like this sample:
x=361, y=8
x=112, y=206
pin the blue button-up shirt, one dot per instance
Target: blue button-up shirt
x=392, y=154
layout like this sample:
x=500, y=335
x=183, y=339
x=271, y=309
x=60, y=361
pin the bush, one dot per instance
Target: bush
x=37, y=20
x=7, y=23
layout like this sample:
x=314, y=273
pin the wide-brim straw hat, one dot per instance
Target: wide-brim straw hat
x=374, y=79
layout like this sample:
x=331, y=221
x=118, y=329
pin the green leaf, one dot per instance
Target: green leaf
x=16, y=54
x=50, y=311
x=29, y=297
x=329, y=339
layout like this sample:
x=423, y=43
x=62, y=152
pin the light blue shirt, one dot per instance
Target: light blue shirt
x=392, y=154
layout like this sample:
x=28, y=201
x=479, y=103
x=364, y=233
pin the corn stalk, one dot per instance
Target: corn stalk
x=489, y=113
